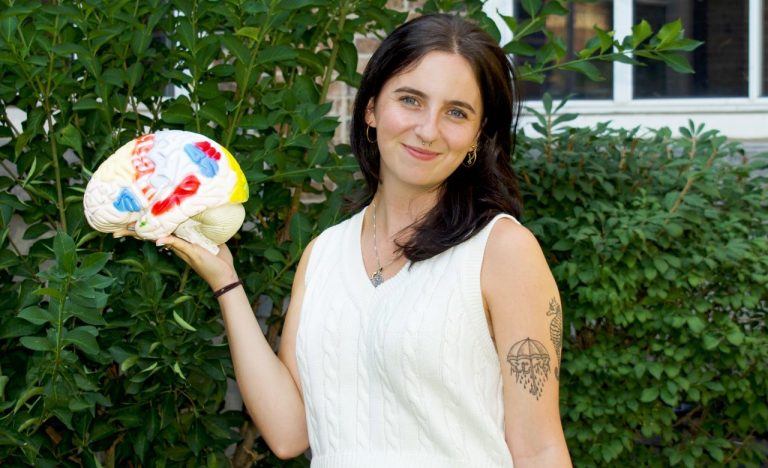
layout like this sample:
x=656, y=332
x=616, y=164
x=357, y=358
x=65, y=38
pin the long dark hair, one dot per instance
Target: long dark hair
x=471, y=196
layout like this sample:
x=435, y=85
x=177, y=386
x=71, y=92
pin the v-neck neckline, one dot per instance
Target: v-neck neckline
x=362, y=272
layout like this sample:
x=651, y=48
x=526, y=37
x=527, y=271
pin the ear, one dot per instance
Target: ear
x=370, y=116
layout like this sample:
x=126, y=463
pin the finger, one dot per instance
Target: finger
x=125, y=233
x=178, y=246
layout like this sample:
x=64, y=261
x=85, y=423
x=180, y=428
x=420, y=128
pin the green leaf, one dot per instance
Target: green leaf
x=83, y=338
x=669, y=33
x=8, y=26
x=177, y=370
x=649, y=394
x=70, y=136
x=621, y=58
x=661, y=265
x=710, y=342
x=674, y=229
x=140, y=41
x=128, y=363
x=563, y=245
x=606, y=39
x=531, y=6
x=213, y=113
x=182, y=299
x=554, y=7
x=655, y=369
x=684, y=45
x=529, y=27
x=276, y=53
x=696, y=324
x=183, y=323
x=735, y=337
x=546, y=101
x=186, y=35
x=17, y=327
x=640, y=32
x=92, y=264
x=36, y=343
x=650, y=273
x=274, y=255
x=3, y=382
x=134, y=74
x=585, y=68
x=26, y=395
x=64, y=249
x=249, y=32
x=178, y=113
x=668, y=397
x=519, y=48
x=236, y=48
x=677, y=62
x=36, y=315
x=716, y=453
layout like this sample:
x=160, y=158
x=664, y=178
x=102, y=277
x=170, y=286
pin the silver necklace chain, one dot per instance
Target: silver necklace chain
x=376, y=278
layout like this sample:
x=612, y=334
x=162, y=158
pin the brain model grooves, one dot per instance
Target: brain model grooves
x=168, y=182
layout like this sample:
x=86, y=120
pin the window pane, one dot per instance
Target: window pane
x=720, y=63
x=575, y=29
x=765, y=49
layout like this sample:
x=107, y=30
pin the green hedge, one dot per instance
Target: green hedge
x=660, y=247
x=111, y=352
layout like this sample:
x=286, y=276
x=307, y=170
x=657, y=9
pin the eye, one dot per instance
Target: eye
x=409, y=100
x=457, y=113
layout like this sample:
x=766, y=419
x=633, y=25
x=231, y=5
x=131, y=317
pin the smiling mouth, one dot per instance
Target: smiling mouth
x=421, y=154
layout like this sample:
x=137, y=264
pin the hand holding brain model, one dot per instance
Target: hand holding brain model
x=169, y=182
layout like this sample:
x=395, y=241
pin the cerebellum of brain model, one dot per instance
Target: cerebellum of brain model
x=169, y=182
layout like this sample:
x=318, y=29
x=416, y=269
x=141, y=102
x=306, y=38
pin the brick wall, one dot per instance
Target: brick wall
x=342, y=95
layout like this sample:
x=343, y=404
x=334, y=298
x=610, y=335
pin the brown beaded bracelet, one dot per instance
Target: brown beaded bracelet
x=226, y=288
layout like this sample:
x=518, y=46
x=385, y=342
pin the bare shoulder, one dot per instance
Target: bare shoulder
x=515, y=276
x=301, y=269
x=512, y=250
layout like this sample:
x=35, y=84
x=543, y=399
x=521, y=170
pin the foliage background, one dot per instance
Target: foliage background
x=111, y=353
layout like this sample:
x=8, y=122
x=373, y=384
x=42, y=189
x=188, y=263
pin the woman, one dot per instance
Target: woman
x=424, y=331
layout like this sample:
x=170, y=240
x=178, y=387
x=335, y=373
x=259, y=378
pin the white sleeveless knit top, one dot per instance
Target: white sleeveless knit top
x=403, y=375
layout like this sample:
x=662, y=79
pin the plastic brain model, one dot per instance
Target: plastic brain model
x=169, y=182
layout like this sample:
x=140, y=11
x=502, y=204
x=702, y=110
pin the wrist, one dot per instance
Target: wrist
x=222, y=279
x=218, y=292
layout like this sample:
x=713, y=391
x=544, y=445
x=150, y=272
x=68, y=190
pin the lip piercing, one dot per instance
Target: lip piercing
x=426, y=143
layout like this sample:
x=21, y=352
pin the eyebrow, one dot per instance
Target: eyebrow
x=421, y=94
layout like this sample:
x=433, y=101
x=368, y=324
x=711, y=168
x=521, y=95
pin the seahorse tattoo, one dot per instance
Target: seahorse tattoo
x=529, y=361
x=556, y=332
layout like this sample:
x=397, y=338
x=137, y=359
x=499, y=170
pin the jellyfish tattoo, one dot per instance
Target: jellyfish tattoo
x=556, y=331
x=529, y=363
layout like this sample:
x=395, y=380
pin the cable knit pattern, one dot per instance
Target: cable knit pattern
x=403, y=375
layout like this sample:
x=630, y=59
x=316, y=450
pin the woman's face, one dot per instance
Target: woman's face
x=426, y=121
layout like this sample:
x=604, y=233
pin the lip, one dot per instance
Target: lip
x=420, y=154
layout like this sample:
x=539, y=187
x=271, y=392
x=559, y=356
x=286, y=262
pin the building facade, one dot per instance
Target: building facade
x=728, y=91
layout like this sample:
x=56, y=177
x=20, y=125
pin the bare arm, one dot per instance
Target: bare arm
x=526, y=317
x=269, y=384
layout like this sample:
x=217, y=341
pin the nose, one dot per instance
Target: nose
x=427, y=128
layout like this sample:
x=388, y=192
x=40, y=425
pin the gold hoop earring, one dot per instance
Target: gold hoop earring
x=471, y=156
x=367, y=136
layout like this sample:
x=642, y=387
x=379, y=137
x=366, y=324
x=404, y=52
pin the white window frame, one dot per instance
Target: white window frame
x=744, y=118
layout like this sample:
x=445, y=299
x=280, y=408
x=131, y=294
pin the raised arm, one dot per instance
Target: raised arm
x=527, y=323
x=269, y=384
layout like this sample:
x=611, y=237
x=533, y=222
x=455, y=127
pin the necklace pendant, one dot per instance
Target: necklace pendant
x=377, y=278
